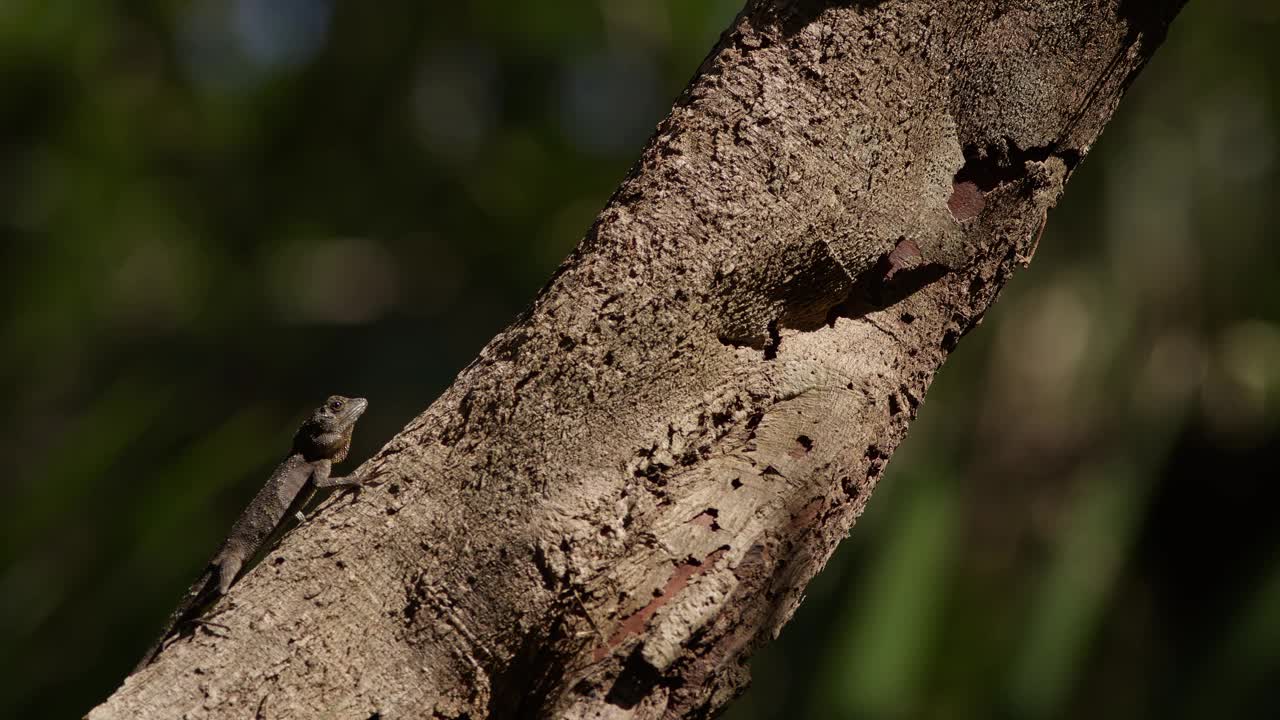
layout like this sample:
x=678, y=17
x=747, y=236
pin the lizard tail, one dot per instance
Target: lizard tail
x=197, y=596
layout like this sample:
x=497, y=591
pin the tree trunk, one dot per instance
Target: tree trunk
x=629, y=489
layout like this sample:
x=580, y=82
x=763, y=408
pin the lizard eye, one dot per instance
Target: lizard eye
x=335, y=405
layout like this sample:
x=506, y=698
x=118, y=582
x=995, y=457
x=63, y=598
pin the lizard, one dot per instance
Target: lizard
x=323, y=440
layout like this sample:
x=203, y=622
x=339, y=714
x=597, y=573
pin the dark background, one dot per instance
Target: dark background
x=214, y=214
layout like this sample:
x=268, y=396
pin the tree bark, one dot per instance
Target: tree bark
x=626, y=493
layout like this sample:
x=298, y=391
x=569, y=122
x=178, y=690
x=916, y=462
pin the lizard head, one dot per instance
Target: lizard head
x=327, y=433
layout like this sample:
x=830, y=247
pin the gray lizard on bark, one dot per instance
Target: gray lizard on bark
x=322, y=441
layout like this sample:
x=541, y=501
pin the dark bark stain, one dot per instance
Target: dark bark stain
x=707, y=519
x=999, y=163
x=904, y=256
x=804, y=444
x=634, y=623
x=966, y=201
x=807, y=514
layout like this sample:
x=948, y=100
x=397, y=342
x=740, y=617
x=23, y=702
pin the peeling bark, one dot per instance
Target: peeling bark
x=627, y=492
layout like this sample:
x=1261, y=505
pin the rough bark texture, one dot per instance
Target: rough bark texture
x=629, y=489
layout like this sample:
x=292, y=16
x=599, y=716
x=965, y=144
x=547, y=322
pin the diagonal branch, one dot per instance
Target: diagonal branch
x=627, y=492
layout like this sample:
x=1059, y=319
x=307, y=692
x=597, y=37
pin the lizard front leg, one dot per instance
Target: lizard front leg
x=320, y=479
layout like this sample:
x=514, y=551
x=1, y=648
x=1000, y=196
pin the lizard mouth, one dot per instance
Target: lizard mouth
x=355, y=408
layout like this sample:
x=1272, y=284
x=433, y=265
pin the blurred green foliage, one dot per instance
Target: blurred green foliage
x=216, y=213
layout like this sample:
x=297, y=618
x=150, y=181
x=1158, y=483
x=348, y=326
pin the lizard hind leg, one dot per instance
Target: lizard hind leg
x=228, y=567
